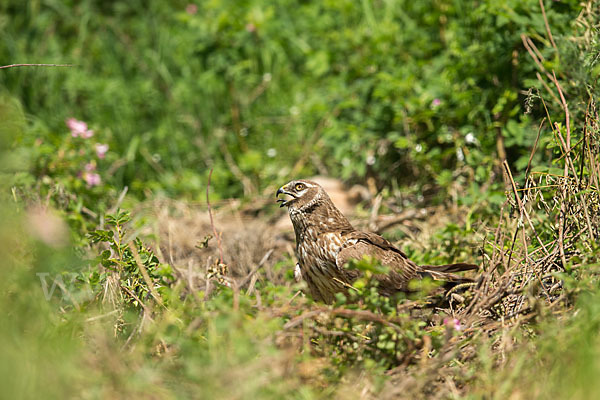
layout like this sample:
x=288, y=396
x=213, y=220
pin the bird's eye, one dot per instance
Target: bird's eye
x=299, y=186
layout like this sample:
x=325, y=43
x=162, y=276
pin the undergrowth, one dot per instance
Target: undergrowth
x=142, y=325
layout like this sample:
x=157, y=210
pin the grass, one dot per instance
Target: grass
x=153, y=305
x=528, y=328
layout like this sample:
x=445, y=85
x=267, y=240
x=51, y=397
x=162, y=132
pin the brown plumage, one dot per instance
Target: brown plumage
x=326, y=241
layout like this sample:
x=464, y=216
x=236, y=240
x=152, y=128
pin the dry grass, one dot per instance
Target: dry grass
x=184, y=238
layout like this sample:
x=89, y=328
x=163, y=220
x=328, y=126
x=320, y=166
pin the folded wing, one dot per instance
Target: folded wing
x=402, y=269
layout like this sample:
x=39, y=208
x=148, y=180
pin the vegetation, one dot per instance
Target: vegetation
x=470, y=130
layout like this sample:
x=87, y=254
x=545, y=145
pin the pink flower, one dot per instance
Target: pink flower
x=79, y=128
x=453, y=323
x=250, y=27
x=101, y=150
x=92, y=179
x=436, y=103
x=87, y=134
x=89, y=167
x=76, y=127
x=191, y=9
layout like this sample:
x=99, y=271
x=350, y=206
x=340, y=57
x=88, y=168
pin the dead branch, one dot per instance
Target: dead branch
x=35, y=65
x=548, y=31
x=212, y=223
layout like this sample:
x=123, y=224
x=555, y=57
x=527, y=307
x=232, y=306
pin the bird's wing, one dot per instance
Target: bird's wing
x=373, y=239
x=358, y=244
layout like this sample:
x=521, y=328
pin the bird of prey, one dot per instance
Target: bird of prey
x=326, y=241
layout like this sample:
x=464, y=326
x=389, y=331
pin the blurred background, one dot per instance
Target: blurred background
x=405, y=94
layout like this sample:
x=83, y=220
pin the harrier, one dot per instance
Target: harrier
x=326, y=241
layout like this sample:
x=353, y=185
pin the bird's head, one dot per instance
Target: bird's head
x=301, y=193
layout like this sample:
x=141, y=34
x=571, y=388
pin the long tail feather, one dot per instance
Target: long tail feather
x=445, y=272
x=459, y=267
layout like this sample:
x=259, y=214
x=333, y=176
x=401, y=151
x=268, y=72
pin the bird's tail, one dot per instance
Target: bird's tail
x=446, y=272
x=450, y=267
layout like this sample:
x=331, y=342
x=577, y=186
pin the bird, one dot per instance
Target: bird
x=326, y=241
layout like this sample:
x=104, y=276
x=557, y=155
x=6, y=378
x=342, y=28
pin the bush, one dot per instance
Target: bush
x=401, y=92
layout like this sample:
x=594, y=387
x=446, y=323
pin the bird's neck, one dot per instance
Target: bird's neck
x=318, y=220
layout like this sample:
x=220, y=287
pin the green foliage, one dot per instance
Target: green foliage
x=199, y=348
x=396, y=90
x=131, y=260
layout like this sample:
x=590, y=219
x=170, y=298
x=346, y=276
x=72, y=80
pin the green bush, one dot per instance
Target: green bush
x=401, y=91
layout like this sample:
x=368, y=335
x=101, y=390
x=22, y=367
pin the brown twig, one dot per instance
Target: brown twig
x=343, y=312
x=212, y=224
x=385, y=222
x=535, y=54
x=547, y=25
x=567, y=148
x=255, y=269
x=565, y=107
x=35, y=65
x=375, y=211
x=533, y=149
x=144, y=306
x=538, y=60
x=584, y=147
x=537, y=74
x=521, y=206
x=145, y=275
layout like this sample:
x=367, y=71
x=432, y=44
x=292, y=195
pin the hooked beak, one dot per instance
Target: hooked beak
x=282, y=190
